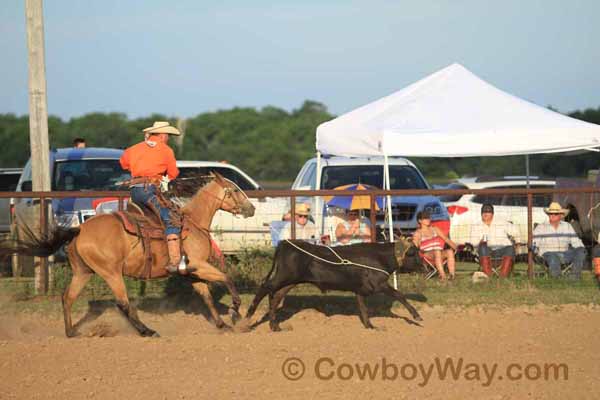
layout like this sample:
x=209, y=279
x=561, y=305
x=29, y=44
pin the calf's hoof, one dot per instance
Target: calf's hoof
x=150, y=333
x=72, y=333
x=275, y=327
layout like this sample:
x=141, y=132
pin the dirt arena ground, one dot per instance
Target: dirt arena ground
x=533, y=352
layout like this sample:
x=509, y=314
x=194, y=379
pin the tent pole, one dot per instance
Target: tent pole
x=527, y=168
x=529, y=223
x=318, y=208
x=386, y=181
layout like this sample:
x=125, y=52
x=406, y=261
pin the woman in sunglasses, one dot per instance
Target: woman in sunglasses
x=355, y=229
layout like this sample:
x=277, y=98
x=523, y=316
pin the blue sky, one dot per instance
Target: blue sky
x=184, y=57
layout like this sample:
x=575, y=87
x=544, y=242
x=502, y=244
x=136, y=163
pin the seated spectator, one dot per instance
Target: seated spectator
x=596, y=260
x=431, y=241
x=354, y=229
x=305, y=229
x=494, y=238
x=558, y=243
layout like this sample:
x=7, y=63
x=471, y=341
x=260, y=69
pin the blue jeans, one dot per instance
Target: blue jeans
x=488, y=251
x=145, y=197
x=555, y=259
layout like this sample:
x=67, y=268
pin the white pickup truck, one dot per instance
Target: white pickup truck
x=234, y=234
x=338, y=171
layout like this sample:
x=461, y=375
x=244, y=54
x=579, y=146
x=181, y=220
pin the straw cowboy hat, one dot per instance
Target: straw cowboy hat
x=162, y=127
x=302, y=209
x=555, y=208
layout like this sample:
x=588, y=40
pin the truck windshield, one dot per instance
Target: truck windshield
x=401, y=176
x=73, y=175
x=231, y=174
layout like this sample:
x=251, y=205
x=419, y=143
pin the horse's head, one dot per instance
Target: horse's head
x=234, y=200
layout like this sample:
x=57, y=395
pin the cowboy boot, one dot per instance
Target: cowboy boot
x=176, y=262
x=506, y=267
x=486, y=265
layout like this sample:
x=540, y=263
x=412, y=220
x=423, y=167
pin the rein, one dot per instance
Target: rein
x=227, y=193
x=343, y=261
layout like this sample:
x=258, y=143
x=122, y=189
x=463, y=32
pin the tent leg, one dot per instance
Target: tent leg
x=386, y=182
x=318, y=211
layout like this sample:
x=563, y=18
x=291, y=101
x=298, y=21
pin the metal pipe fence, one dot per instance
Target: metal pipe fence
x=292, y=198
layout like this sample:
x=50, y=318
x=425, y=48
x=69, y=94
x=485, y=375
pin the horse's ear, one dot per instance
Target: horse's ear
x=218, y=176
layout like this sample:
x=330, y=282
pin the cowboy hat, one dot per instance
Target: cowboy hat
x=162, y=127
x=555, y=208
x=302, y=209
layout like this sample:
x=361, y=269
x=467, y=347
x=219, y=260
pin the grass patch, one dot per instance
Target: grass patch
x=249, y=269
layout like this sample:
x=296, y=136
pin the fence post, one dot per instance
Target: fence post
x=373, y=219
x=529, y=235
x=41, y=266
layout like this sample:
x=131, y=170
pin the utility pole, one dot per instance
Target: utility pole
x=38, y=114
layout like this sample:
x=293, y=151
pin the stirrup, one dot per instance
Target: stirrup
x=181, y=269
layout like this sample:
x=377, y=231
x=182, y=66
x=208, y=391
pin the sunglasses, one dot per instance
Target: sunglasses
x=302, y=216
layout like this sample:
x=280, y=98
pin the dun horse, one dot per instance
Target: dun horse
x=104, y=247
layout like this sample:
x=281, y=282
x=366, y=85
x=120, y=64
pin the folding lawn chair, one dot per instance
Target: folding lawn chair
x=429, y=265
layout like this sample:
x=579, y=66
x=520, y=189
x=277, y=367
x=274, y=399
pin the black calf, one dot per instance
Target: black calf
x=365, y=272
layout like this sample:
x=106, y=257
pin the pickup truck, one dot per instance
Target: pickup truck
x=338, y=171
x=8, y=183
x=234, y=234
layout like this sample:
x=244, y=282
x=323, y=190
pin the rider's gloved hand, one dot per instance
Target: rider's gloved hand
x=164, y=184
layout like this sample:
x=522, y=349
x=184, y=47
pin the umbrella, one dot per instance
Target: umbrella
x=354, y=202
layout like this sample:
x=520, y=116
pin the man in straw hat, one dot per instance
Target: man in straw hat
x=558, y=243
x=150, y=162
x=305, y=229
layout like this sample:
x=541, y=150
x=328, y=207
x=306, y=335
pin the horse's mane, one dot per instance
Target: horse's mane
x=189, y=185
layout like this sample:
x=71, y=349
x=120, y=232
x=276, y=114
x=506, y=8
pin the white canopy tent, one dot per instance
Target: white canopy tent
x=451, y=113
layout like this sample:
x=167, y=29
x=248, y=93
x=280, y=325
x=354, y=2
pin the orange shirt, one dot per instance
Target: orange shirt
x=146, y=161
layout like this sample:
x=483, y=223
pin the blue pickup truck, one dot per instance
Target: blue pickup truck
x=71, y=170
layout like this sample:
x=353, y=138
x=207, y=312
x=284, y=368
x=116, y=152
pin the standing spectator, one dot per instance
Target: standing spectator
x=305, y=229
x=79, y=143
x=494, y=238
x=558, y=243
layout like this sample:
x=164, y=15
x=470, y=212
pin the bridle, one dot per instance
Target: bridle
x=229, y=192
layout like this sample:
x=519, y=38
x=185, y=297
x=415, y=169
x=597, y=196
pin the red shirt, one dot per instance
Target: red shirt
x=146, y=161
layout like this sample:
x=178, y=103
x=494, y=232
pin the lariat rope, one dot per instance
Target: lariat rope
x=343, y=261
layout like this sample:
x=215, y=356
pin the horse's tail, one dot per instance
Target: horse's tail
x=38, y=245
x=275, y=258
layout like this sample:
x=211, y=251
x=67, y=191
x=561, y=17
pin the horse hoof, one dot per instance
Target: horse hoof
x=224, y=327
x=150, y=333
x=235, y=316
x=418, y=318
x=275, y=328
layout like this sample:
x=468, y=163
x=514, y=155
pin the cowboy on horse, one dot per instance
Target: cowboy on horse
x=151, y=163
